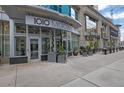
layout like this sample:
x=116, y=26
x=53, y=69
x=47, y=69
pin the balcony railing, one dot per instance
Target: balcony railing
x=93, y=34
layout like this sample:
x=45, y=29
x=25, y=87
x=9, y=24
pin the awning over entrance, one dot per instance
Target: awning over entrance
x=20, y=11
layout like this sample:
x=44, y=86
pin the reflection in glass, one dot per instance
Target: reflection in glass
x=0, y=45
x=20, y=28
x=34, y=30
x=20, y=46
x=75, y=41
x=34, y=48
x=45, y=45
x=6, y=46
x=90, y=24
x=4, y=39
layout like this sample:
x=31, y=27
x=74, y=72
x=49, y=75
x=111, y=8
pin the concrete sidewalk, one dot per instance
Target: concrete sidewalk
x=93, y=71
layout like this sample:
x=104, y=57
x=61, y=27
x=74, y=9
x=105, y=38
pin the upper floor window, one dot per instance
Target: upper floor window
x=73, y=13
x=91, y=24
x=20, y=28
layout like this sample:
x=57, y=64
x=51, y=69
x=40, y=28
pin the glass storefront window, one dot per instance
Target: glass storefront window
x=69, y=41
x=20, y=46
x=75, y=41
x=20, y=28
x=4, y=39
x=0, y=28
x=45, y=45
x=0, y=45
x=34, y=30
x=5, y=27
x=69, y=45
x=45, y=31
x=58, y=33
x=6, y=46
x=0, y=38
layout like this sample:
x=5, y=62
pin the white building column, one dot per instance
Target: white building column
x=27, y=43
x=12, y=41
x=99, y=33
x=67, y=41
x=54, y=41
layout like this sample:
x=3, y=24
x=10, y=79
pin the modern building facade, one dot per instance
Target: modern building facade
x=96, y=29
x=28, y=33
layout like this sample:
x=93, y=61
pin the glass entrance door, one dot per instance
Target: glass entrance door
x=34, y=48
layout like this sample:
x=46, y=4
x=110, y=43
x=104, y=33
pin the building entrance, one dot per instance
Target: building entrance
x=34, y=48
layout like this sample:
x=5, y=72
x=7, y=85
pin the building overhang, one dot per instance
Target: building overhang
x=48, y=13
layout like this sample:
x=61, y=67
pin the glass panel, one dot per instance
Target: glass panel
x=69, y=45
x=90, y=24
x=45, y=45
x=58, y=33
x=6, y=27
x=0, y=45
x=34, y=30
x=58, y=41
x=6, y=46
x=20, y=28
x=75, y=41
x=0, y=38
x=65, y=9
x=34, y=48
x=0, y=28
x=45, y=31
x=20, y=46
x=4, y=38
x=64, y=44
x=73, y=13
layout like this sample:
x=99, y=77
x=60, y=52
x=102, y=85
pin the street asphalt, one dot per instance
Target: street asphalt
x=93, y=71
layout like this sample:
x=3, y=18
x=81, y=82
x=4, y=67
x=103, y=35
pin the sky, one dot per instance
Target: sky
x=118, y=15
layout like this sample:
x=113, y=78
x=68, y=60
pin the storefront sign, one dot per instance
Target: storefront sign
x=39, y=21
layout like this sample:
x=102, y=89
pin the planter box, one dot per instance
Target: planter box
x=110, y=51
x=61, y=58
x=52, y=57
x=18, y=60
x=44, y=57
x=113, y=50
x=81, y=52
x=75, y=53
x=90, y=53
x=69, y=54
x=84, y=53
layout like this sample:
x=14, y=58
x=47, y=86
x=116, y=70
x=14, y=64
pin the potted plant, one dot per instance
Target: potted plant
x=81, y=50
x=84, y=52
x=110, y=46
x=90, y=48
x=96, y=45
x=75, y=52
x=52, y=56
x=61, y=58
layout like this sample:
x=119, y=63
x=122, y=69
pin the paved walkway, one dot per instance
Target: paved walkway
x=93, y=71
